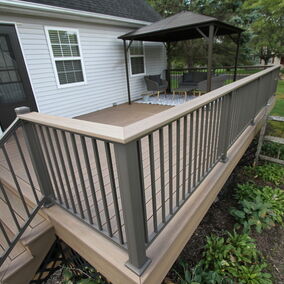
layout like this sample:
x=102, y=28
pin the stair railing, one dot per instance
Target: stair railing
x=19, y=216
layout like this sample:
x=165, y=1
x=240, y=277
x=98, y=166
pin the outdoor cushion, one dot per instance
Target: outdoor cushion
x=187, y=77
x=156, y=78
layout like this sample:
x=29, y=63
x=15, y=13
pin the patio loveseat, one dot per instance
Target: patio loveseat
x=216, y=82
x=191, y=79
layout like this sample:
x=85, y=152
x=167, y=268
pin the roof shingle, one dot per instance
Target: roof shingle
x=132, y=9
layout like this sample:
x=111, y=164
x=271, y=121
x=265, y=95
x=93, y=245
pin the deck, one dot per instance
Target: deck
x=122, y=187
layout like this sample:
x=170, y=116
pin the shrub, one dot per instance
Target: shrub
x=235, y=257
x=272, y=149
x=258, y=207
x=268, y=172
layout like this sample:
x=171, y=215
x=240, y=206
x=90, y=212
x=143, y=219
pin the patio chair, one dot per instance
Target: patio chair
x=216, y=82
x=191, y=79
x=154, y=83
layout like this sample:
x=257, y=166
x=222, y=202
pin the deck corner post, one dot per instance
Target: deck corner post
x=127, y=161
x=38, y=162
x=226, y=122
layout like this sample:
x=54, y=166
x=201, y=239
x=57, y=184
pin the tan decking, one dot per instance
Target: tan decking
x=124, y=114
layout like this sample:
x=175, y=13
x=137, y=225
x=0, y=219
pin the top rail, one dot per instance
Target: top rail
x=224, y=67
x=138, y=129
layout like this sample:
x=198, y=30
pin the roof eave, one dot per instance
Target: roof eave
x=29, y=8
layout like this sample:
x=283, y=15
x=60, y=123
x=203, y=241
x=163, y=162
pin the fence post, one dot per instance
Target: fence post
x=225, y=126
x=130, y=185
x=37, y=158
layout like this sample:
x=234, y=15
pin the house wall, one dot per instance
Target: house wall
x=103, y=58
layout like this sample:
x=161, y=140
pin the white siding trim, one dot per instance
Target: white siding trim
x=84, y=82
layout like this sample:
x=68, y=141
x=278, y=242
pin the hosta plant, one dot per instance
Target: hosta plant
x=259, y=207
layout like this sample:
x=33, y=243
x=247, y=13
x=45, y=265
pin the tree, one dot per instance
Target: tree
x=267, y=28
x=262, y=20
x=194, y=52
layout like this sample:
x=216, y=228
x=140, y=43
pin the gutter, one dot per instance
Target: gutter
x=34, y=9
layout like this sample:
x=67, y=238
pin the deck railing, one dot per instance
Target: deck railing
x=174, y=76
x=128, y=182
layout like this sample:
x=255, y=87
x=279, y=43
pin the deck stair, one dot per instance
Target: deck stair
x=24, y=260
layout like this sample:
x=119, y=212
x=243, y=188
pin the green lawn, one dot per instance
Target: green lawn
x=279, y=107
x=277, y=128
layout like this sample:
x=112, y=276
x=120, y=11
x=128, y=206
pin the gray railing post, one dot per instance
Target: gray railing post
x=127, y=161
x=226, y=123
x=255, y=101
x=37, y=158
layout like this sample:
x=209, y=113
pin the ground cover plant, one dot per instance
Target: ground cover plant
x=232, y=258
x=258, y=207
x=274, y=150
x=268, y=172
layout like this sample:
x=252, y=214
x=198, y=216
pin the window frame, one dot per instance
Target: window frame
x=144, y=61
x=69, y=58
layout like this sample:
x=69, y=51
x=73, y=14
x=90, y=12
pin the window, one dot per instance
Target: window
x=137, y=62
x=66, y=54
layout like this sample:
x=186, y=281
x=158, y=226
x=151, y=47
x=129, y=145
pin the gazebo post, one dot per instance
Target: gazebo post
x=168, y=75
x=236, y=57
x=127, y=72
x=210, y=54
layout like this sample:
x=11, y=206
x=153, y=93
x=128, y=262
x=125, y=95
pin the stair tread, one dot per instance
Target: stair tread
x=17, y=250
x=11, y=267
x=7, y=180
x=19, y=207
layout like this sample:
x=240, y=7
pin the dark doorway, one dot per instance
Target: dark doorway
x=15, y=86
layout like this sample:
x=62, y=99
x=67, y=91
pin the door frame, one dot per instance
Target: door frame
x=29, y=81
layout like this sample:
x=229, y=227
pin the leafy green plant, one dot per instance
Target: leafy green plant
x=78, y=276
x=198, y=275
x=235, y=257
x=267, y=172
x=259, y=207
x=273, y=150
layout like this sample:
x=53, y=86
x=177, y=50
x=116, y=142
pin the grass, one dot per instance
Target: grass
x=279, y=106
x=277, y=128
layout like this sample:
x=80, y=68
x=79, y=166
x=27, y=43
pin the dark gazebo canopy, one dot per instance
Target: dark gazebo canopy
x=184, y=26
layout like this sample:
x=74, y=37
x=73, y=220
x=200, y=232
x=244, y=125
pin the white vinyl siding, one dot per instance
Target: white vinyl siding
x=65, y=52
x=103, y=56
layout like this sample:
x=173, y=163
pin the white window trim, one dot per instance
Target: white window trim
x=144, y=62
x=54, y=59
